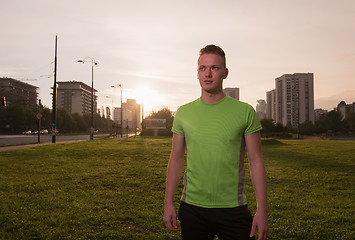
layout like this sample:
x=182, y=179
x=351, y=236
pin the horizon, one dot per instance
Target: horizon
x=152, y=47
x=136, y=94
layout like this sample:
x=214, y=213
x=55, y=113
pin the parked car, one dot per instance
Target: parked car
x=27, y=132
x=35, y=132
x=44, y=131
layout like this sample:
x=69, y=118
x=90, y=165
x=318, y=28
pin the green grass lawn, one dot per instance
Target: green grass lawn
x=114, y=189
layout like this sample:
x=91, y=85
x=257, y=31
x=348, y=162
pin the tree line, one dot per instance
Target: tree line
x=329, y=124
x=17, y=118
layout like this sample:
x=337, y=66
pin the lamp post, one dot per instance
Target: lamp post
x=119, y=85
x=54, y=104
x=93, y=63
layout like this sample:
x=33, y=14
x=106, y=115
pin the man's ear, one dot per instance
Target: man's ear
x=226, y=71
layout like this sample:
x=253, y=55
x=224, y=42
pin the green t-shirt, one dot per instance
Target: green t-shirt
x=214, y=135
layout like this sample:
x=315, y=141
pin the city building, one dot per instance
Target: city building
x=131, y=114
x=271, y=104
x=108, y=113
x=75, y=97
x=261, y=109
x=15, y=91
x=232, y=92
x=318, y=113
x=345, y=109
x=294, y=99
x=126, y=115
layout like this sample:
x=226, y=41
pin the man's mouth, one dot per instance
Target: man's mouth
x=208, y=81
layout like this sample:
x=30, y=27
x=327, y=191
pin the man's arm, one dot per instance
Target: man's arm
x=258, y=176
x=176, y=163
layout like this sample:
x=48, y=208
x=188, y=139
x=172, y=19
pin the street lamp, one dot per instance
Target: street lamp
x=93, y=63
x=119, y=85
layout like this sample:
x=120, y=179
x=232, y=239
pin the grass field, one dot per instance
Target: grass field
x=114, y=189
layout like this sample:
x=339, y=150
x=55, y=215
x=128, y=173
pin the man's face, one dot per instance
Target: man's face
x=211, y=72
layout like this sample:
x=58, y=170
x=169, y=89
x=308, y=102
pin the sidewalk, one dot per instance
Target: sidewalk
x=34, y=145
x=46, y=143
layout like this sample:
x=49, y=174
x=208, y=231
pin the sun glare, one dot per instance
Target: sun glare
x=150, y=98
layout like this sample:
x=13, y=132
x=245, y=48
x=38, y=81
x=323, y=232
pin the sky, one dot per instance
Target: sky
x=151, y=47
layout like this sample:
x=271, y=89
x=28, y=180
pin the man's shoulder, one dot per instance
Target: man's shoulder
x=238, y=103
x=188, y=105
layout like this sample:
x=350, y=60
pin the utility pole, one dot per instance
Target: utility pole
x=39, y=116
x=54, y=104
x=121, y=111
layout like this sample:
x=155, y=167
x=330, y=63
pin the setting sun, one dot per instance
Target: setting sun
x=147, y=96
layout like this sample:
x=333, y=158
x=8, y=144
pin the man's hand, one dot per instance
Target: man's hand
x=170, y=217
x=175, y=166
x=260, y=223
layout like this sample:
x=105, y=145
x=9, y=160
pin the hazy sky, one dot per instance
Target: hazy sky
x=153, y=46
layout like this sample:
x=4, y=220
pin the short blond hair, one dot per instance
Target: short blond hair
x=213, y=49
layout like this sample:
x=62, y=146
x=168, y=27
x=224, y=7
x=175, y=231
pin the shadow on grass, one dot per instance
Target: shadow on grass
x=271, y=142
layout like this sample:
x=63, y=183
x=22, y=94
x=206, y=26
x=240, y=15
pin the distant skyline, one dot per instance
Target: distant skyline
x=151, y=47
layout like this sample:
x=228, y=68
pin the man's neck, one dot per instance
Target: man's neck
x=211, y=98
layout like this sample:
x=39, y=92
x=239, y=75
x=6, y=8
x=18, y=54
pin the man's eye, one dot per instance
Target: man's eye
x=215, y=67
x=201, y=68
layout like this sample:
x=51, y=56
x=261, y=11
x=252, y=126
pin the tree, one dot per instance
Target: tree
x=268, y=124
x=307, y=128
x=350, y=121
x=19, y=118
x=46, y=117
x=163, y=113
x=320, y=125
x=79, y=124
x=270, y=129
x=334, y=122
x=65, y=122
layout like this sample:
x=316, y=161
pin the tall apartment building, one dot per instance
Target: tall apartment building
x=75, y=97
x=261, y=109
x=232, y=92
x=294, y=98
x=271, y=104
x=16, y=91
x=126, y=115
x=131, y=114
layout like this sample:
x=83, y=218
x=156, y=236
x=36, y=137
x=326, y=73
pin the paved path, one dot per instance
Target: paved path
x=45, y=139
x=35, y=145
x=30, y=139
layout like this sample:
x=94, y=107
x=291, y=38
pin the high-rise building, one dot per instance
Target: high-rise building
x=126, y=115
x=108, y=113
x=294, y=99
x=75, y=97
x=271, y=104
x=232, y=92
x=261, y=109
x=131, y=114
x=16, y=91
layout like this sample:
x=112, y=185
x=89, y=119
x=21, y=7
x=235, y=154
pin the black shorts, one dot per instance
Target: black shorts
x=205, y=223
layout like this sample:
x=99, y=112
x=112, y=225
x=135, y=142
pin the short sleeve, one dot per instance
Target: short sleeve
x=253, y=124
x=177, y=124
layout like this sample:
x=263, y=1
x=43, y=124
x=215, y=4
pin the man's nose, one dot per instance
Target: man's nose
x=208, y=72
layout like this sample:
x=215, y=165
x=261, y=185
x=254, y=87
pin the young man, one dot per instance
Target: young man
x=214, y=130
